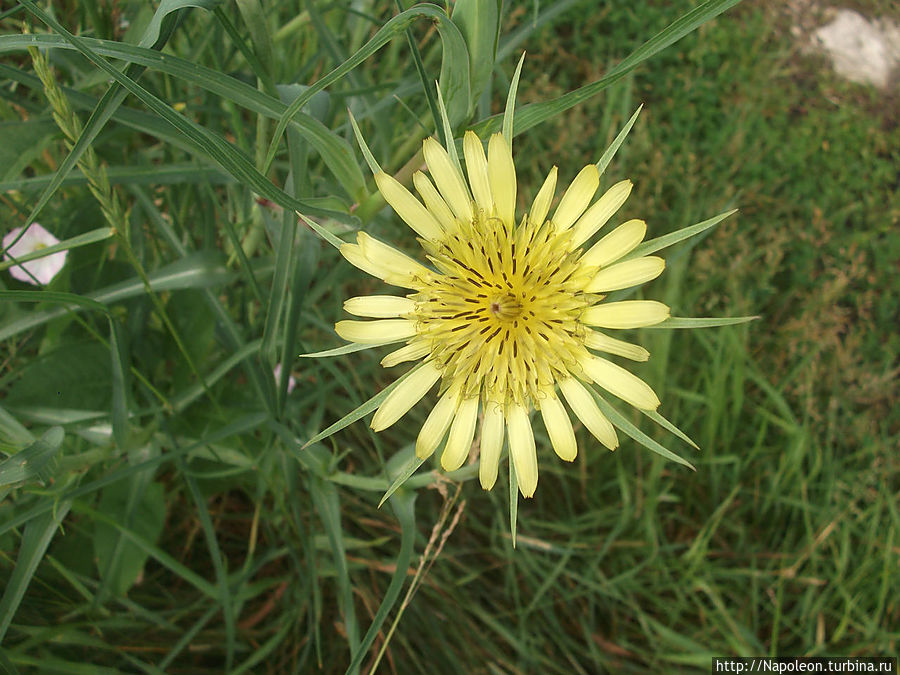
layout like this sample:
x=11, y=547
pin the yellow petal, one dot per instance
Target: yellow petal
x=582, y=404
x=376, y=332
x=405, y=395
x=577, y=197
x=434, y=202
x=411, y=352
x=626, y=274
x=598, y=215
x=379, y=306
x=541, y=205
x=619, y=382
x=626, y=314
x=521, y=449
x=432, y=432
x=559, y=428
x=461, y=434
x=408, y=207
x=355, y=256
x=477, y=167
x=447, y=179
x=614, y=245
x=604, y=343
x=394, y=267
x=502, y=172
x=491, y=444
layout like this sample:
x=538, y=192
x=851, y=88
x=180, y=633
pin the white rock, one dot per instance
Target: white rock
x=861, y=50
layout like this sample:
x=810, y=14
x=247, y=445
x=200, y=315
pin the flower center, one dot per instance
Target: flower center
x=505, y=307
x=500, y=318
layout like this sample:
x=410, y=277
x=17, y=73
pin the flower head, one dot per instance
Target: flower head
x=36, y=271
x=505, y=315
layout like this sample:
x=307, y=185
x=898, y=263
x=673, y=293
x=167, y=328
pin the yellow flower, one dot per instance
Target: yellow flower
x=506, y=312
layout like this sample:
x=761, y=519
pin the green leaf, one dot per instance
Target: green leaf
x=322, y=232
x=119, y=372
x=334, y=149
x=81, y=240
x=403, y=504
x=701, y=322
x=338, y=351
x=12, y=434
x=374, y=167
x=617, y=142
x=509, y=111
x=38, y=534
x=154, y=31
x=74, y=375
x=336, y=153
x=659, y=243
x=176, y=173
x=454, y=79
x=361, y=411
x=668, y=426
x=327, y=503
x=121, y=560
x=215, y=554
x=141, y=542
x=623, y=424
x=479, y=23
x=411, y=466
x=36, y=462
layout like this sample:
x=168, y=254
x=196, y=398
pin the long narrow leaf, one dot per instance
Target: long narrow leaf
x=91, y=237
x=623, y=424
x=404, y=508
x=34, y=462
x=701, y=322
x=613, y=148
x=37, y=538
x=361, y=411
x=659, y=243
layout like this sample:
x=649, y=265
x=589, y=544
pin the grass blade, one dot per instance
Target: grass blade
x=36, y=462
x=404, y=508
x=35, y=541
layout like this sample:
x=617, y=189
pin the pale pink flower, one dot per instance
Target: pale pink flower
x=37, y=271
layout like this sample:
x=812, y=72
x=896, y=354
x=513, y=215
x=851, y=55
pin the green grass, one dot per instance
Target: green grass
x=159, y=514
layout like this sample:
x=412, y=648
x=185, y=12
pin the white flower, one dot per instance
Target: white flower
x=40, y=270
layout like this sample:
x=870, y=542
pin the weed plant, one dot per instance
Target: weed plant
x=159, y=512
